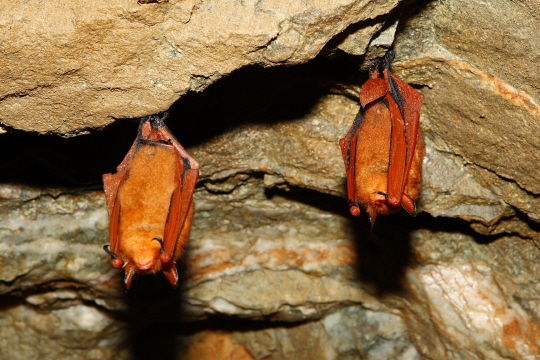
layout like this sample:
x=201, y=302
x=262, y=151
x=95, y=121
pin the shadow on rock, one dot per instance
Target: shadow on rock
x=384, y=252
x=154, y=311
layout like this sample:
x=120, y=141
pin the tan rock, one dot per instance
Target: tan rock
x=215, y=346
x=481, y=100
x=72, y=66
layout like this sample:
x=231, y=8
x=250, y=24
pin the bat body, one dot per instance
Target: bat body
x=384, y=149
x=149, y=203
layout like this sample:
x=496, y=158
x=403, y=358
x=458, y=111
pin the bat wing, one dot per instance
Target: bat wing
x=398, y=155
x=348, y=150
x=111, y=184
x=372, y=90
x=409, y=101
x=179, y=207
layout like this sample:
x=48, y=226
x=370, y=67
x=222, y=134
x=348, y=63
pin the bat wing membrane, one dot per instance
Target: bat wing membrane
x=411, y=102
x=348, y=151
x=372, y=90
x=111, y=184
x=398, y=155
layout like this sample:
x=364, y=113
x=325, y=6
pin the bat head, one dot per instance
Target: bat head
x=378, y=204
x=141, y=258
x=143, y=253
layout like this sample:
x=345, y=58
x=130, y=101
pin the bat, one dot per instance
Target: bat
x=149, y=203
x=384, y=149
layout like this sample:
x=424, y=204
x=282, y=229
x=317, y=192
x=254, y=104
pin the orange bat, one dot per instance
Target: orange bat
x=149, y=203
x=384, y=148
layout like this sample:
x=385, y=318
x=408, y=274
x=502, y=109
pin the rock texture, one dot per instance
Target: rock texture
x=276, y=267
x=115, y=59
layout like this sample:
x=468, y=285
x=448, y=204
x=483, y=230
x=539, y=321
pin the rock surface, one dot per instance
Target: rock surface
x=276, y=267
x=121, y=58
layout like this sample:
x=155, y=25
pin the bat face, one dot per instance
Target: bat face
x=384, y=149
x=149, y=203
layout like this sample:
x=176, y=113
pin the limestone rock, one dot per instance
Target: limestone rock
x=115, y=59
x=350, y=333
x=483, y=112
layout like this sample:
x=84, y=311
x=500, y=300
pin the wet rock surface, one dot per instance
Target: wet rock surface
x=276, y=267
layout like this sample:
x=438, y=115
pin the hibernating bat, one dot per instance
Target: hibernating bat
x=149, y=202
x=384, y=149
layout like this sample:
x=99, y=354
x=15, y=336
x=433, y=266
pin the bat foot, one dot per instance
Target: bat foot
x=372, y=212
x=128, y=277
x=160, y=240
x=409, y=205
x=387, y=59
x=156, y=120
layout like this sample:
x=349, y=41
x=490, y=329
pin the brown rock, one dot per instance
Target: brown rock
x=215, y=346
x=481, y=110
x=120, y=59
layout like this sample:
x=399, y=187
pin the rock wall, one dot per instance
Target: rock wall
x=276, y=267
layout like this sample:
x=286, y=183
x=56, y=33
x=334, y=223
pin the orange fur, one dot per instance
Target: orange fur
x=149, y=201
x=145, y=200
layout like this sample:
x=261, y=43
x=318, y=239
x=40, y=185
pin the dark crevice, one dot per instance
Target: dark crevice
x=254, y=95
x=251, y=95
x=494, y=230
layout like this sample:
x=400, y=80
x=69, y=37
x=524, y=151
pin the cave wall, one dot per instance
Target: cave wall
x=259, y=94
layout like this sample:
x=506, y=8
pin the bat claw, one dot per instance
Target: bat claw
x=160, y=240
x=106, y=248
x=387, y=59
x=372, y=216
